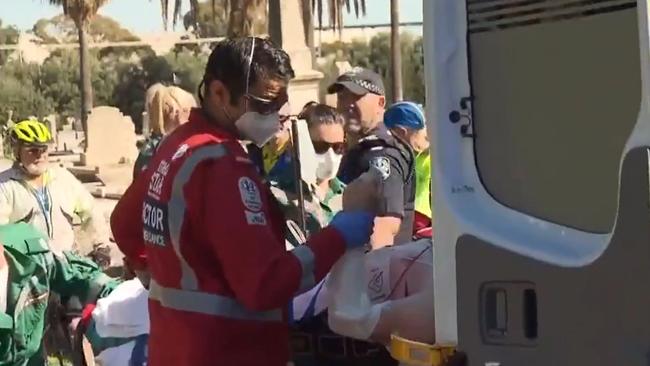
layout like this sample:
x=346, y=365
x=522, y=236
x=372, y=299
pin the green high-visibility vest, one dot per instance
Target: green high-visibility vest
x=423, y=184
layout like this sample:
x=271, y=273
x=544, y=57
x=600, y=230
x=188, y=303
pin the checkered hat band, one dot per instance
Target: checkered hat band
x=369, y=86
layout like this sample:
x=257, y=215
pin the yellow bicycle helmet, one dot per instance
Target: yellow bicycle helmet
x=31, y=132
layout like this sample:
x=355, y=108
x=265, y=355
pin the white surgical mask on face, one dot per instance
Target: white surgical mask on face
x=328, y=165
x=258, y=128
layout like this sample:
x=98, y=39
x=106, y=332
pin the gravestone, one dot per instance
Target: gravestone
x=68, y=139
x=112, y=138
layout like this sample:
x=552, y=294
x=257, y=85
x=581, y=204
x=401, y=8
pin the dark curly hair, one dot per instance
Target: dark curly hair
x=228, y=63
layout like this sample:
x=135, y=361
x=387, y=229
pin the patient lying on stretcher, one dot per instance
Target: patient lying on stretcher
x=398, y=297
x=400, y=289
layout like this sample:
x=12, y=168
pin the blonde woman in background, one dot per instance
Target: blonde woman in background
x=167, y=107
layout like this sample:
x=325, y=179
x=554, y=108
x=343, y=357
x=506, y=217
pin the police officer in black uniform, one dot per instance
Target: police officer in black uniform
x=361, y=98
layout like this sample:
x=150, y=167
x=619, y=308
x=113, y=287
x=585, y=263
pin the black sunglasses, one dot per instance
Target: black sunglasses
x=36, y=150
x=321, y=147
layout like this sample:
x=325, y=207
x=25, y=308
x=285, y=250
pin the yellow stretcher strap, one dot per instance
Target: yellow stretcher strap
x=419, y=354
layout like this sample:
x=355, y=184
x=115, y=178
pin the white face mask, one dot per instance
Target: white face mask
x=258, y=128
x=328, y=165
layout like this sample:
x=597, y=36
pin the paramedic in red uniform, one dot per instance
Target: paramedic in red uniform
x=206, y=228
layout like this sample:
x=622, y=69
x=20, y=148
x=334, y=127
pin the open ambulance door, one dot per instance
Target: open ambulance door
x=540, y=123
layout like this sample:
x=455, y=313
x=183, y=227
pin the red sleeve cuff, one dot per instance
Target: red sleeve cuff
x=328, y=246
x=86, y=315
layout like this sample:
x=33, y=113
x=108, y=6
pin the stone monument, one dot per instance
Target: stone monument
x=286, y=29
x=112, y=138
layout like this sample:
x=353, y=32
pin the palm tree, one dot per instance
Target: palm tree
x=335, y=10
x=82, y=12
x=243, y=14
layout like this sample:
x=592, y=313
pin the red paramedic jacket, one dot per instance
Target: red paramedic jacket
x=208, y=230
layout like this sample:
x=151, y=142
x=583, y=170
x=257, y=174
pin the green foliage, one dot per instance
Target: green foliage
x=53, y=87
x=21, y=100
x=413, y=72
x=188, y=68
x=120, y=78
x=184, y=69
x=59, y=77
x=375, y=55
x=8, y=35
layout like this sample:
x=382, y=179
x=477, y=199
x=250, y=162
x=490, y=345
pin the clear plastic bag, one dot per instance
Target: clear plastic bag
x=368, y=294
x=350, y=310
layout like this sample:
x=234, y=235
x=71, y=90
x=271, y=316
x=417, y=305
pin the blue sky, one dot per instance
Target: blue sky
x=143, y=16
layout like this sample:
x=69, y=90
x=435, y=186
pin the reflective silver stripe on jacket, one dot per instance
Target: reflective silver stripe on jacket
x=306, y=258
x=177, y=205
x=209, y=304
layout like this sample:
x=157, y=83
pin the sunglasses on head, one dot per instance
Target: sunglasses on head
x=264, y=106
x=321, y=147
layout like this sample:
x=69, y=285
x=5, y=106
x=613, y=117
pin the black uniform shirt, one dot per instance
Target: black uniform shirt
x=395, y=161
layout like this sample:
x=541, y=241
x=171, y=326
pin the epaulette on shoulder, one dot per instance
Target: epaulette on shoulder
x=373, y=143
x=369, y=138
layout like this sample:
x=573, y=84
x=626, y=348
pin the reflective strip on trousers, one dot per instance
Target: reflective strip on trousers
x=177, y=206
x=306, y=258
x=208, y=304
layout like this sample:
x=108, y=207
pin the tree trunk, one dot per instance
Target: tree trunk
x=85, y=79
x=275, y=22
x=396, y=52
x=246, y=18
x=236, y=19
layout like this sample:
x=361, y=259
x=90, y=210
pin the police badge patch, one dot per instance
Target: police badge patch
x=382, y=165
x=250, y=194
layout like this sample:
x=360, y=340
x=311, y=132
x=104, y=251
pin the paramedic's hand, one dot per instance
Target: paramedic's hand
x=362, y=194
x=355, y=226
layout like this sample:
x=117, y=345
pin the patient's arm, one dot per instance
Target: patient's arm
x=409, y=312
x=410, y=317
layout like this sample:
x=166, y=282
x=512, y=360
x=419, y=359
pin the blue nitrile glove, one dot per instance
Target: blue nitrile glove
x=355, y=226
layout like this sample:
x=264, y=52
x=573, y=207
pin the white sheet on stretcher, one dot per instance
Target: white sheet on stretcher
x=116, y=356
x=124, y=313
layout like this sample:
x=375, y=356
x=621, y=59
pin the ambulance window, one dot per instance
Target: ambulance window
x=557, y=90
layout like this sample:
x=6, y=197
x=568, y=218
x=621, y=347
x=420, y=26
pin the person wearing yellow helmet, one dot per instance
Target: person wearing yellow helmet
x=30, y=139
x=49, y=196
